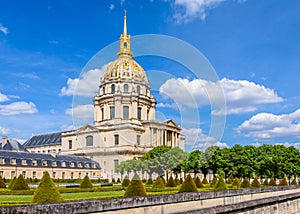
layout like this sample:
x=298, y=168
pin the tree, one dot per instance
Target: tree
x=188, y=185
x=86, y=183
x=2, y=183
x=20, y=184
x=135, y=187
x=46, y=192
x=193, y=161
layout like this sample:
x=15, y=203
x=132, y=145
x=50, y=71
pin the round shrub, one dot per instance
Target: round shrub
x=294, y=182
x=245, y=183
x=188, y=185
x=221, y=185
x=171, y=182
x=255, y=183
x=204, y=181
x=135, y=187
x=214, y=181
x=149, y=181
x=272, y=182
x=198, y=182
x=46, y=192
x=283, y=182
x=159, y=183
x=20, y=184
x=236, y=182
x=2, y=183
x=125, y=182
x=177, y=181
x=86, y=183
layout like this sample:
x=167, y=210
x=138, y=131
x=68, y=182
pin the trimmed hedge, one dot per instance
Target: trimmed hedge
x=86, y=183
x=46, y=191
x=294, y=182
x=135, y=187
x=20, y=184
x=11, y=183
x=171, y=182
x=221, y=185
x=266, y=182
x=188, y=185
x=272, y=182
x=236, y=182
x=159, y=183
x=245, y=183
x=177, y=181
x=283, y=182
x=255, y=183
x=149, y=181
x=125, y=182
x=2, y=183
x=204, y=181
x=198, y=182
x=214, y=181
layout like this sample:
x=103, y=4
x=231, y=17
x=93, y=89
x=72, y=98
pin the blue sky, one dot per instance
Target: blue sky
x=253, y=45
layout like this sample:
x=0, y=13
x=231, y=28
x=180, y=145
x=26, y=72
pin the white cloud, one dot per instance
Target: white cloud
x=167, y=105
x=18, y=108
x=287, y=144
x=86, y=86
x=4, y=130
x=199, y=140
x=111, y=7
x=3, y=97
x=84, y=113
x=265, y=126
x=241, y=95
x=3, y=29
x=188, y=10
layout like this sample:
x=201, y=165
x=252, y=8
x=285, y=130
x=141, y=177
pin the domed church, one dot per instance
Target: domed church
x=124, y=118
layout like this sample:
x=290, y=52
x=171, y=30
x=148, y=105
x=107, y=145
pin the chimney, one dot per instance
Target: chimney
x=4, y=141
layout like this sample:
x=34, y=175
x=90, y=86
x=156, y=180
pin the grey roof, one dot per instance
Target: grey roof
x=44, y=139
x=40, y=158
x=12, y=145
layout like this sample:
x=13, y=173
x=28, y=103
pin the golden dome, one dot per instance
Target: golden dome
x=124, y=68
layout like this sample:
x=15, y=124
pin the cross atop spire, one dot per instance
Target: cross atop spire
x=125, y=25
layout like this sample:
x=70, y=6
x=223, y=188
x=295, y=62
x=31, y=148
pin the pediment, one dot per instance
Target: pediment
x=87, y=128
x=171, y=123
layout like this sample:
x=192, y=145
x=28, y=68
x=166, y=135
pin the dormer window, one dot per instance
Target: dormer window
x=44, y=163
x=13, y=161
x=24, y=162
x=63, y=164
x=79, y=164
x=34, y=162
x=54, y=163
x=72, y=164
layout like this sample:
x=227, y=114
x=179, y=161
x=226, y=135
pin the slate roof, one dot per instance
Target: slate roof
x=12, y=145
x=44, y=139
x=61, y=160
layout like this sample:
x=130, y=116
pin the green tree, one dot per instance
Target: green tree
x=135, y=187
x=86, y=183
x=46, y=192
x=188, y=185
x=20, y=184
x=193, y=162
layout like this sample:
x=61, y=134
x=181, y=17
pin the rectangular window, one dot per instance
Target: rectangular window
x=70, y=144
x=89, y=140
x=116, y=139
x=53, y=174
x=139, y=113
x=1, y=160
x=72, y=175
x=125, y=112
x=102, y=113
x=24, y=174
x=34, y=174
x=116, y=163
x=112, y=112
x=12, y=174
x=79, y=175
x=63, y=175
x=138, y=140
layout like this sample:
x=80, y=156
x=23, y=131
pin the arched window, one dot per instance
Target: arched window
x=89, y=140
x=138, y=89
x=113, y=88
x=125, y=112
x=139, y=113
x=103, y=89
x=126, y=88
x=125, y=45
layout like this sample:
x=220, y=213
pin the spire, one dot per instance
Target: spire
x=125, y=42
x=125, y=25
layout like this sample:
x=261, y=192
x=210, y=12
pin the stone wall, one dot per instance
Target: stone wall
x=266, y=200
